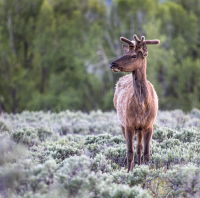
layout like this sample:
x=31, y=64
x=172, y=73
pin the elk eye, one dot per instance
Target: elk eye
x=134, y=56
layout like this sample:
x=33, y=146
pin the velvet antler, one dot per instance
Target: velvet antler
x=125, y=40
x=139, y=43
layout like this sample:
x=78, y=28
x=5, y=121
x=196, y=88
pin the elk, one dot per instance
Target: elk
x=135, y=99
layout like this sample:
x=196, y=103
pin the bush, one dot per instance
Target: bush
x=183, y=181
x=64, y=164
x=27, y=136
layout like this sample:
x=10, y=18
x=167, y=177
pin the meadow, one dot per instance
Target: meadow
x=74, y=154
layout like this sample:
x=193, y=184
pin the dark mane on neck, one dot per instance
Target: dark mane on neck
x=140, y=84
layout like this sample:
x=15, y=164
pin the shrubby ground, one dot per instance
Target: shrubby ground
x=72, y=154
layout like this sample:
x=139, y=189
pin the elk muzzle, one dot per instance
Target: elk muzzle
x=115, y=67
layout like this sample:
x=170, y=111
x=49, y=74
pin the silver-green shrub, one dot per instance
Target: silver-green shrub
x=74, y=154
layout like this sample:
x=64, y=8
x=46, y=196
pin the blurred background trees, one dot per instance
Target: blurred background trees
x=55, y=54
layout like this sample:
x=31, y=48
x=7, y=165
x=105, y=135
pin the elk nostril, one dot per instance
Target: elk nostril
x=112, y=64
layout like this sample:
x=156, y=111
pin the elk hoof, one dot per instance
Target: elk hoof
x=146, y=159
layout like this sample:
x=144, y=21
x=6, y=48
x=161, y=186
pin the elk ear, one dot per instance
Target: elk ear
x=126, y=48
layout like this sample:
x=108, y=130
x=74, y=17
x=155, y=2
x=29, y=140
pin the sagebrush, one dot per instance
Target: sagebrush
x=73, y=154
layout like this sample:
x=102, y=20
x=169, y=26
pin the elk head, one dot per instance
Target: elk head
x=134, y=55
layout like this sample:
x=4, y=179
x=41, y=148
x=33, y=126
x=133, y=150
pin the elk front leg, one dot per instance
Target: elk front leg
x=147, y=140
x=129, y=134
x=139, y=145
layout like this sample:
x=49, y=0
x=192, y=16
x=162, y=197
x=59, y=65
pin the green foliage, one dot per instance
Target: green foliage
x=101, y=163
x=55, y=55
x=9, y=150
x=184, y=181
x=40, y=177
x=43, y=156
x=78, y=180
x=26, y=136
x=3, y=126
x=30, y=136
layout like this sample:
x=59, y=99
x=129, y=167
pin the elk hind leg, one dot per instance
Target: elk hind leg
x=139, y=145
x=123, y=130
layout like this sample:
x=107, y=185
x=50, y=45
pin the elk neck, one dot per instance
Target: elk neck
x=140, y=83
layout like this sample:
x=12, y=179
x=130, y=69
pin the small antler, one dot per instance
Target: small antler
x=139, y=43
x=125, y=40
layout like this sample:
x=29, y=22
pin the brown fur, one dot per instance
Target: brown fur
x=135, y=99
